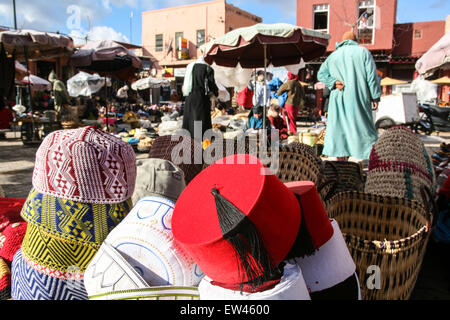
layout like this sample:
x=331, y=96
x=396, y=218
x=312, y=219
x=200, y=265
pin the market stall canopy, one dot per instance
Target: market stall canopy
x=33, y=45
x=443, y=80
x=391, y=82
x=437, y=57
x=108, y=58
x=37, y=83
x=148, y=83
x=286, y=45
x=85, y=84
x=21, y=71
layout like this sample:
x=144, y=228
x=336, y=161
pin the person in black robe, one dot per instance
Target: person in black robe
x=198, y=103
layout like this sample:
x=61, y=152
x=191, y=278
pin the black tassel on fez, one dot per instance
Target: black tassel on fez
x=303, y=245
x=253, y=258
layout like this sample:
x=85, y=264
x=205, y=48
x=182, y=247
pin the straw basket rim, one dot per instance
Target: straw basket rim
x=385, y=246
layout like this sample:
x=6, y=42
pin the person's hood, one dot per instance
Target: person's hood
x=346, y=43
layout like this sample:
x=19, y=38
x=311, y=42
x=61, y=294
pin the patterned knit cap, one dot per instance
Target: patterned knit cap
x=30, y=281
x=85, y=165
x=11, y=240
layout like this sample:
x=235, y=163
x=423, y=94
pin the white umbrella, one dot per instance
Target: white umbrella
x=37, y=83
x=149, y=83
x=437, y=57
x=85, y=84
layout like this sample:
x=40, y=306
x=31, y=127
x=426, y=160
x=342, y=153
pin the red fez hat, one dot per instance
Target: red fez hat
x=234, y=210
x=239, y=224
x=314, y=214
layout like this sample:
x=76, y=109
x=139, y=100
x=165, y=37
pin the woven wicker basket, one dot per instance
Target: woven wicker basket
x=399, y=182
x=347, y=175
x=399, y=145
x=386, y=232
x=299, y=162
x=227, y=147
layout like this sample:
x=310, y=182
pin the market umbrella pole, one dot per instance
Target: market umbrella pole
x=265, y=89
x=106, y=106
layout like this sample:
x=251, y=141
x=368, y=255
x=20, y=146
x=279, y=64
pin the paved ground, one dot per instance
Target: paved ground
x=16, y=168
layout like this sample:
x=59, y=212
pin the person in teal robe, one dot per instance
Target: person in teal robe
x=351, y=75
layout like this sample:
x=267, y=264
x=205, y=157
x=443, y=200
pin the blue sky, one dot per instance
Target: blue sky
x=111, y=18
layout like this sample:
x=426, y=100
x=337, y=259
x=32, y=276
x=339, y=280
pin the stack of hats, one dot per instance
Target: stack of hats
x=183, y=151
x=82, y=186
x=12, y=231
x=140, y=259
x=249, y=229
x=400, y=166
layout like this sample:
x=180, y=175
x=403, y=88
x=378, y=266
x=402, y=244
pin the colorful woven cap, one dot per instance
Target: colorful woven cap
x=85, y=165
x=82, y=223
x=144, y=239
x=160, y=178
x=182, y=151
x=11, y=240
x=29, y=283
x=233, y=201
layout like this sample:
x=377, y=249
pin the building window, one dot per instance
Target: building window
x=418, y=34
x=159, y=42
x=178, y=36
x=200, y=37
x=321, y=17
x=366, y=16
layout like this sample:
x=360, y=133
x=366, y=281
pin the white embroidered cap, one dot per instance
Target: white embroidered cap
x=144, y=241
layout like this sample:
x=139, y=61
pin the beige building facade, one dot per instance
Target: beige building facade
x=172, y=36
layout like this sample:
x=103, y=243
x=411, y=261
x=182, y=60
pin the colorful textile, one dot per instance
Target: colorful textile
x=350, y=128
x=245, y=98
x=11, y=240
x=5, y=281
x=292, y=113
x=10, y=211
x=30, y=284
x=85, y=165
x=81, y=222
x=51, y=251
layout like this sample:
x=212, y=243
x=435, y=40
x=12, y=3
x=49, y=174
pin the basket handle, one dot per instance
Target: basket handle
x=429, y=202
x=333, y=182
